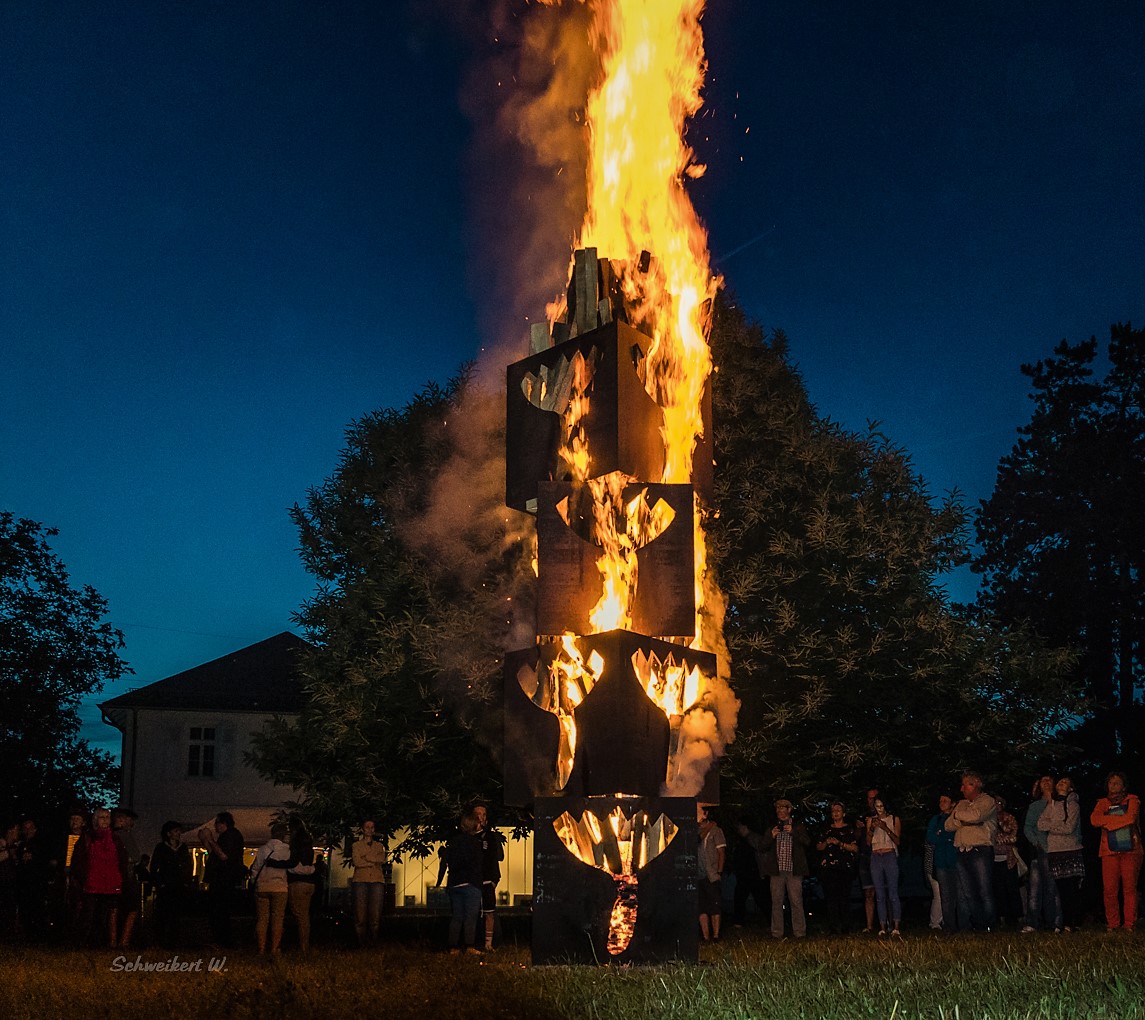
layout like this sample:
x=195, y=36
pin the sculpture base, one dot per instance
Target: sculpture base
x=578, y=906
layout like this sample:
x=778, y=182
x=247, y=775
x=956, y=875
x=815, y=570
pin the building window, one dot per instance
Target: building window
x=201, y=751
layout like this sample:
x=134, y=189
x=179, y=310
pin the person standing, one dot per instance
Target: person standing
x=1043, y=904
x=747, y=880
x=492, y=854
x=270, y=890
x=34, y=872
x=461, y=858
x=838, y=850
x=101, y=866
x=711, y=856
x=172, y=873
x=783, y=858
x=1007, y=890
x=368, y=886
x=67, y=910
x=1061, y=821
x=866, y=880
x=1118, y=816
x=301, y=877
x=123, y=825
x=223, y=874
x=884, y=833
x=945, y=863
x=9, y=857
x=973, y=821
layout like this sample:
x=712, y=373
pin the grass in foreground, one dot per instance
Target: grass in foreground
x=996, y=977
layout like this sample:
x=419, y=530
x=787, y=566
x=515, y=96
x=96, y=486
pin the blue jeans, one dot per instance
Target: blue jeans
x=1044, y=906
x=947, y=879
x=466, y=903
x=885, y=872
x=976, y=908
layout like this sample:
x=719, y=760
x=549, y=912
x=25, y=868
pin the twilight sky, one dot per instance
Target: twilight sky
x=227, y=230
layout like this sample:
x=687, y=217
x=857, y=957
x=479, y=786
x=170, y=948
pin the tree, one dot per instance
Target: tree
x=416, y=559
x=851, y=665
x=55, y=648
x=1062, y=546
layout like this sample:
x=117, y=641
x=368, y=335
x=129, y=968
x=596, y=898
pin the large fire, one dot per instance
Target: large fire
x=652, y=70
x=624, y=371
x=652, y=54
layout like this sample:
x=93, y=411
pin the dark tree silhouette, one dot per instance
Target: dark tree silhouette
x=1063, y=545
x=55, y=648
x=415, y=559
x=851, y=664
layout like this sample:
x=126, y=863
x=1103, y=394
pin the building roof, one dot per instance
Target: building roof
x=258, y=678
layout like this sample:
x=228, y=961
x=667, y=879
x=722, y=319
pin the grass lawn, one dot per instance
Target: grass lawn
x=1089, y=974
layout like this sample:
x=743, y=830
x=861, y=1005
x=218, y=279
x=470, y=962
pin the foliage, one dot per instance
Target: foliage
x=402, y=683
x=852, y=667
x=55, y=648
x=1063, y=547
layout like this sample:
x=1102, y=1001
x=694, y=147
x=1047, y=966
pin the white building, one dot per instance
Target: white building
x=184, y=740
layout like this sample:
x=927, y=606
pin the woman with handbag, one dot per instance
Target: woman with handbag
x=1117, y=815
x=1061, y=821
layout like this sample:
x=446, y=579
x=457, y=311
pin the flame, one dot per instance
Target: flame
x=653, y=64
x=574, y=450
x=671, y=685
x=620, y=529
x=571, y=678
x=622, y=921
x=652, y=68
x=651, y=75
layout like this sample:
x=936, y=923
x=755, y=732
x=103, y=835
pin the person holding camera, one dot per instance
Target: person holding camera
x=838, y=851
x=782, y=855
x=884, y=832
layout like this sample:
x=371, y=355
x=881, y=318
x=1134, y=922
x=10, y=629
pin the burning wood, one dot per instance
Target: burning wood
x=638, y=537
x=614, y=879
x=608, y=442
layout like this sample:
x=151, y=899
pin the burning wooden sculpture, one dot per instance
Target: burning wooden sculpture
x=597, y=711
x=615, y=719
x=611, y=879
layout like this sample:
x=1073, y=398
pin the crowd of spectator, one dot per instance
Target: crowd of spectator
x=92, y=885
x=984, y=868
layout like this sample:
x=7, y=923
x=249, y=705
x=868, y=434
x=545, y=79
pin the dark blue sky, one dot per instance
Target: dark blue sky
x=227, y=230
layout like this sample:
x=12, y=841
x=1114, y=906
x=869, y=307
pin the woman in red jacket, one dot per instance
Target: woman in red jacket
x=1117, y=815
x=100, y=866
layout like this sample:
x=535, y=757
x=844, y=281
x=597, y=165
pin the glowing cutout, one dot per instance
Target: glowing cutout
x=620, y=846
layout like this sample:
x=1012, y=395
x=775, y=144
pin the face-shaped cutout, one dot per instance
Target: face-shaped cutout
x=617, y=843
